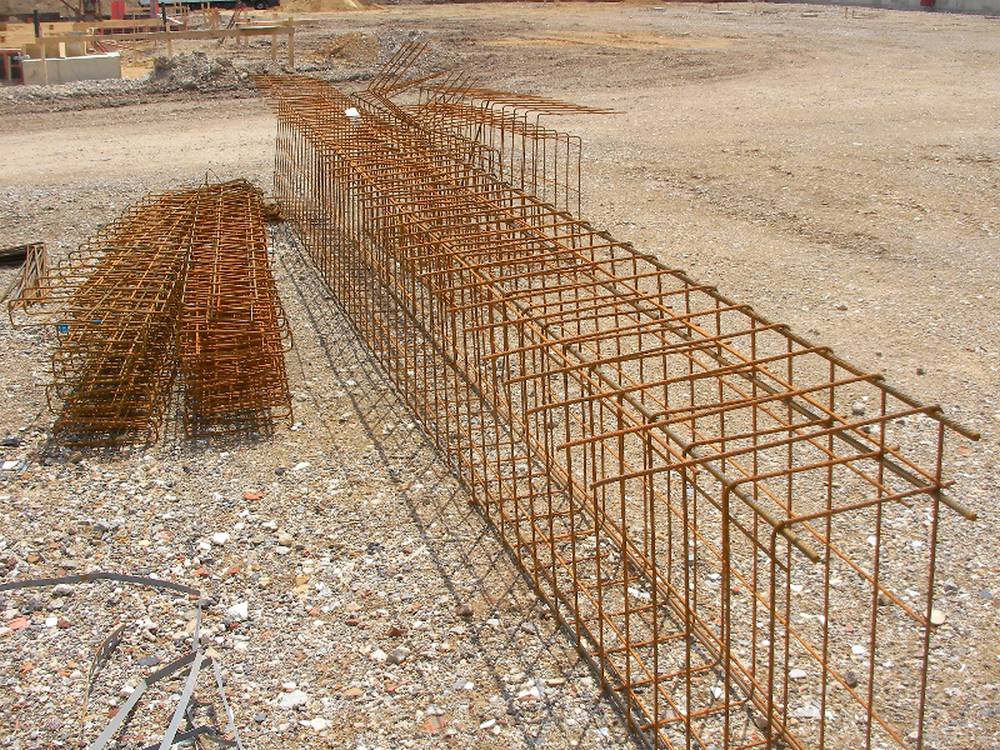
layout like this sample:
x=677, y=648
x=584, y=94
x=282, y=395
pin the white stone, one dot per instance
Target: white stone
x=317, y=724
x=238, y=612
x=220, y=537
x=293, y=699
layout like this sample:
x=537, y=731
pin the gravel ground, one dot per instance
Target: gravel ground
x=769, y=153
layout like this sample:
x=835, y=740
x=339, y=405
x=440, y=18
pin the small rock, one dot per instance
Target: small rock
x=285, y=539
x=293, y=699
x=464, y=610
x=434, y=724
x=317, y=724
x=149, y=661
x=797, y=674
x=398, y=655
x=531, y=694
x=938, y=617
x=808, y=711
x=378, y=655
x=353, y=693
x=220, y=537
x=11, y=441
x=858, y=408
x=239, y=612
x=842, y=306
x=851, y=679
x=18, y=623
x=259, y=717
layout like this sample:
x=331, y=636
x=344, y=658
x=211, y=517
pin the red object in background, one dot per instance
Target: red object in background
x=117, y=9
x=927, y=3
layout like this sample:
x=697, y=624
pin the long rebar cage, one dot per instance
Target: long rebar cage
x=737, y=527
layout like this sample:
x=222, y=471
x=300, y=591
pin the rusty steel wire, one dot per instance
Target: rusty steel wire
x=738, y=528
x=233, y=331
x=179, y=284
x=27, y=287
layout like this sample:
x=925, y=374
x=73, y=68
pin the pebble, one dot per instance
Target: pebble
x=938, y=617
x=464, y=610
x=219, y=538
x=238, y=612
x=317, y=724
x=293, y=699
x=808, y=711
x=398, y=655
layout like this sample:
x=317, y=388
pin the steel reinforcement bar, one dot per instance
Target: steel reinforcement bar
x=176, y=291
x=738, y=528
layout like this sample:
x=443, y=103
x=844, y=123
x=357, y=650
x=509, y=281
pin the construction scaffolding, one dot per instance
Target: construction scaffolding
x=738, y=528
x=179, y=284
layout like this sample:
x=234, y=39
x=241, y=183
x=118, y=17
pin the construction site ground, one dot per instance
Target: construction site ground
x=841, y=171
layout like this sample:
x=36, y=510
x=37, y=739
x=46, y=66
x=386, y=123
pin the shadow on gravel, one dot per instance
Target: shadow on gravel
x=470, y=561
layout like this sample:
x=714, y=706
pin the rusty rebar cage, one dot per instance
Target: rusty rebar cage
x=179, y=285
x=738, y=528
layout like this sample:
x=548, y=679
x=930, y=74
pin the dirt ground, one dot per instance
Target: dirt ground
x=841, y=172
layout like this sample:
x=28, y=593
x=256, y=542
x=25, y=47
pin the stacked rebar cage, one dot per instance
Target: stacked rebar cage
x=179, y=284
x=745, y=560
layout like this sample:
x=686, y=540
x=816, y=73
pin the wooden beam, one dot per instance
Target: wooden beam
x=239, y=31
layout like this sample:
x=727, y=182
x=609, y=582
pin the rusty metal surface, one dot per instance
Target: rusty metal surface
x=745, y=556
x=176, y=292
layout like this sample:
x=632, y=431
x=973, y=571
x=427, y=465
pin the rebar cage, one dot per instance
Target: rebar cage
x=173, y=299
x=738, y=528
